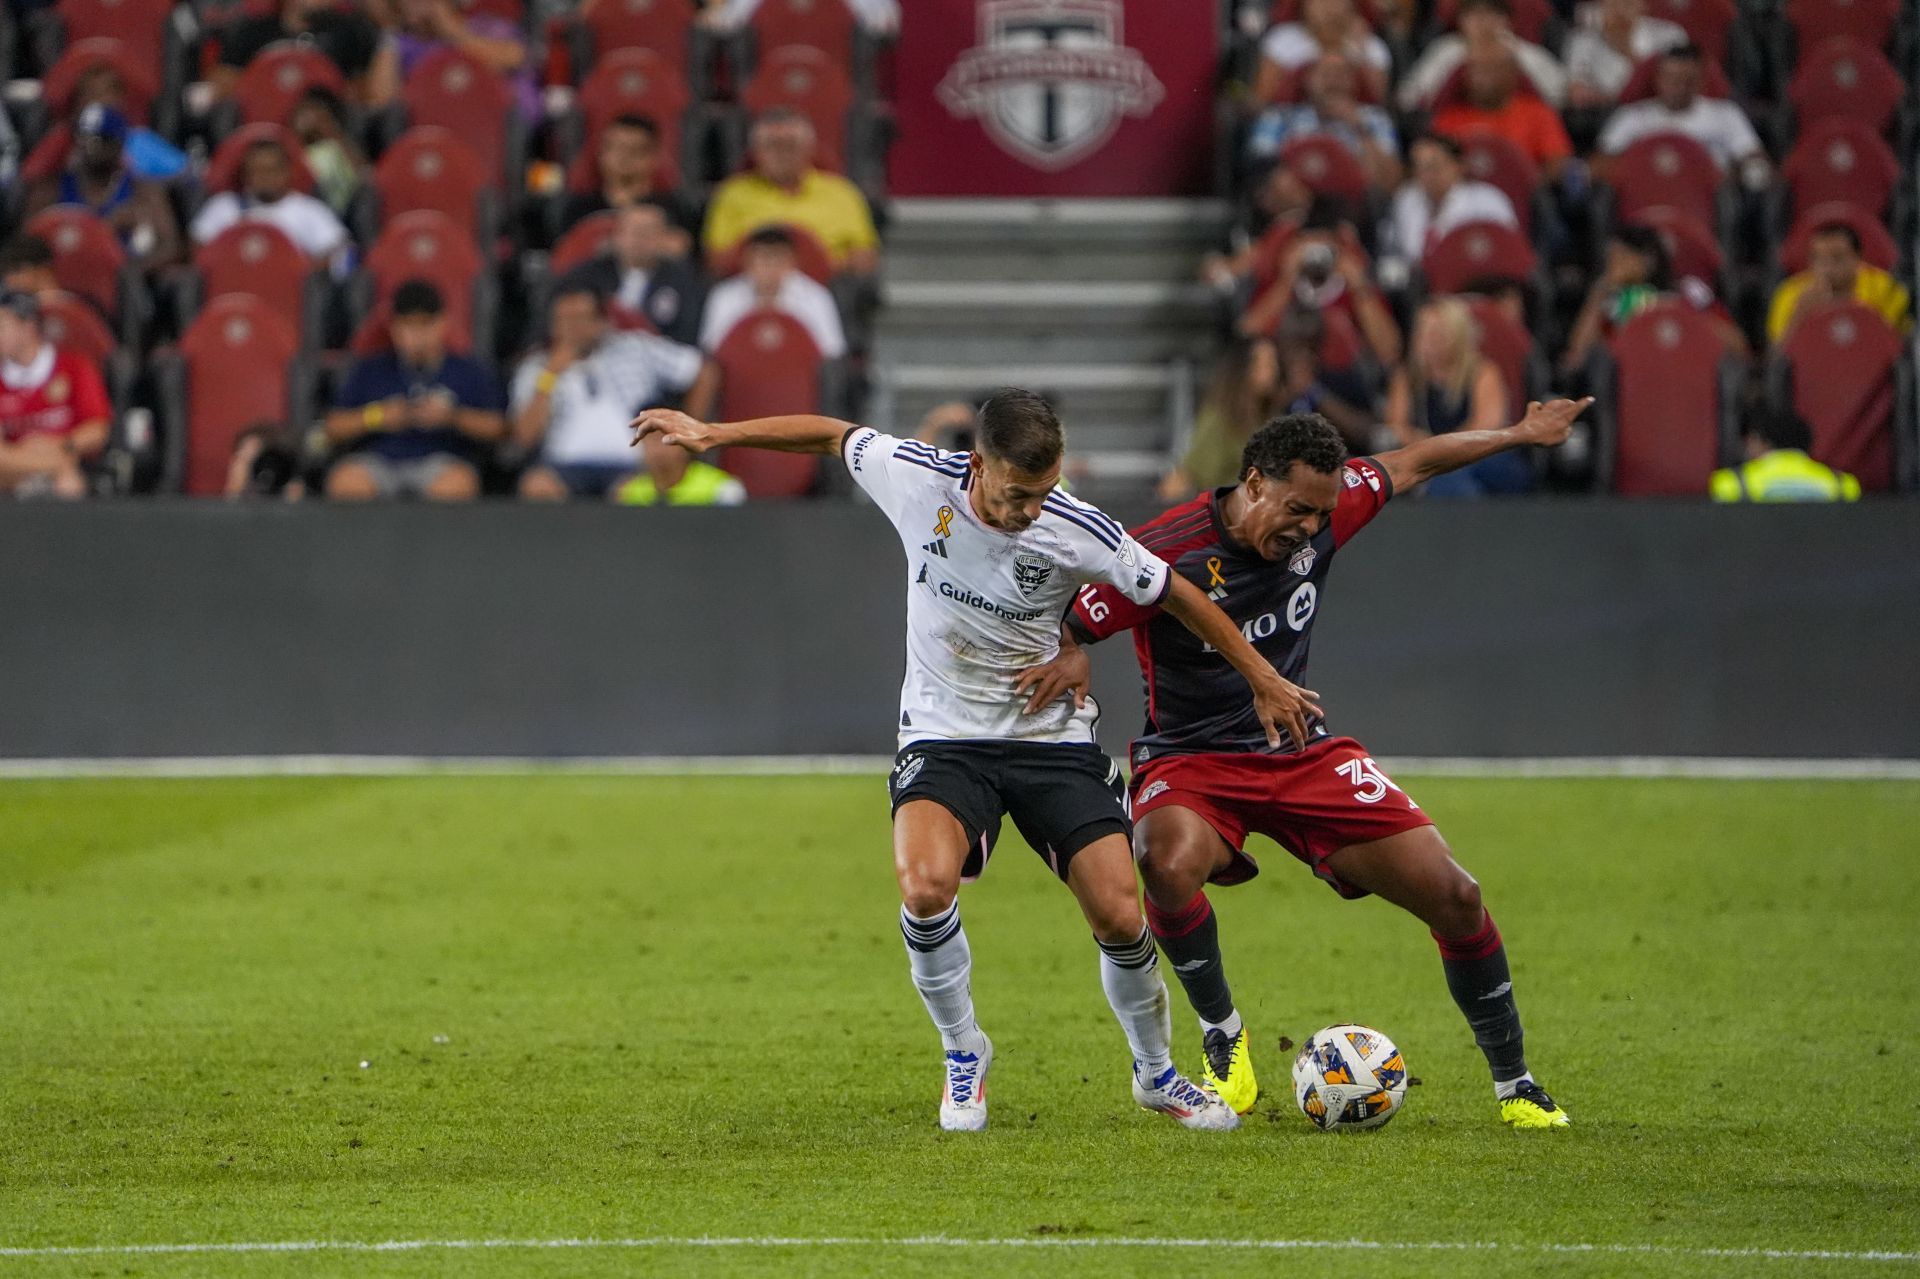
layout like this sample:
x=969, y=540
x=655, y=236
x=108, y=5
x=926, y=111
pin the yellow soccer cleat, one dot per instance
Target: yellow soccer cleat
x=1531, y=1108
x=1229, y=1069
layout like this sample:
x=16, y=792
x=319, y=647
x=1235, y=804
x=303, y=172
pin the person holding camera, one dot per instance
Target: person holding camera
x=414, y=421
x=1324, y=299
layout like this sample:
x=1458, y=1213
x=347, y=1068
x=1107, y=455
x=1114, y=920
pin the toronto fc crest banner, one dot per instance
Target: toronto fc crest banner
x=1055, y=97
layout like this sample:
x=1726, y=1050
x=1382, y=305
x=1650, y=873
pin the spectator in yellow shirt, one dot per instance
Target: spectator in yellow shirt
x=785, y=187
x=1835, y=273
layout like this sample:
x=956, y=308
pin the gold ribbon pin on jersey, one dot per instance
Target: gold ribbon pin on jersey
x=942, y=523
x=1213, y=573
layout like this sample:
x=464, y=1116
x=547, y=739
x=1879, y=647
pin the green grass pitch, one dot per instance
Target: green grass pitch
x=559, y=1007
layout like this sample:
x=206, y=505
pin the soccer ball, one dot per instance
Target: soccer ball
x=1349, y=1077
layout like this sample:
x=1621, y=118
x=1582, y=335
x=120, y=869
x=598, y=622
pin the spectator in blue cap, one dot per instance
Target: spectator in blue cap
x=98, y=178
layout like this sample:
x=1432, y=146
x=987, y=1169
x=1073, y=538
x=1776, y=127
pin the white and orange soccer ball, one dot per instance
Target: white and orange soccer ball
x=1347, y=1078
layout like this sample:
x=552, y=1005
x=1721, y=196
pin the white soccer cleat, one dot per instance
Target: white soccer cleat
x=1174, y=1094
x=963, y=1102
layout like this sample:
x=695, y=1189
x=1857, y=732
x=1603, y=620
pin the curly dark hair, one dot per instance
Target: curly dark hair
x=1306, y=438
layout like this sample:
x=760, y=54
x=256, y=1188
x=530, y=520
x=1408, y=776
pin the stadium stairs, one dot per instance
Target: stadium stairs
x=1092, y=302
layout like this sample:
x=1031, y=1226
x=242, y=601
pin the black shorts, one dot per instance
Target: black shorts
x=1062, y=796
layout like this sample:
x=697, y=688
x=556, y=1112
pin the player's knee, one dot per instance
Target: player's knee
x=1116, y=917
x=1173, y=874
x=1460, y=906
x=924, y=894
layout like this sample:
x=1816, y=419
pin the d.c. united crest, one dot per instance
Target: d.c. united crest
x=1050, y=79
x=1031, y=570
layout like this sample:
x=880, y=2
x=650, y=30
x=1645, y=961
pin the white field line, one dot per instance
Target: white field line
x=943, y=1241
x=1724, y=768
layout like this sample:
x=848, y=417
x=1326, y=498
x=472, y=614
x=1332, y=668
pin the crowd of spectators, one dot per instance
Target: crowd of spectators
x=454, y=245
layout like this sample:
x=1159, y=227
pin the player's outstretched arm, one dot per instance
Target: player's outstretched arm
x=798, y=433
x=1545, y=425
x=1276, y=701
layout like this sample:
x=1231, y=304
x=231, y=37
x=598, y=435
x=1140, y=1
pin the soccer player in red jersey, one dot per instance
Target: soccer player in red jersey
x=1204, y=772
x=53, y=407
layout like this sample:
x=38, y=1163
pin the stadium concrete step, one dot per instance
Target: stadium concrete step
x=1093, y=302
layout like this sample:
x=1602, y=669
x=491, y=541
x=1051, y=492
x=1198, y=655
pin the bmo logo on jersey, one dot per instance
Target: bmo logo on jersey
x=1298, y=612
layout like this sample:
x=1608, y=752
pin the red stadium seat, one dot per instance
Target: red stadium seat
x=1876, y=245
x=507, y=10
x=1692, y=248
x=1666, y=169
x=142, y=79
x=826, y=25
x=1530, y=17
x=1506, y=342
x=1499, y=162
x=660, y=25
x=807, y=81
x=139, y=25
x=1840, y=158
x=769, y=366
x=456, y=91
x=429, y=167
x=1477, y=251
x=238, y=331
x=1708, y=23
x=1328, y=167
x=588, y=236
x=1667, y=403
x=1639, y=85
x=87, y=257
x=425, y=245
x=71, y=323
x=1843, y=359
x=258, y=259
x=223, y=170
x=1841, y=76
x=280, y=75
x=1871, y=22
x=810, y=255
x=636, y=82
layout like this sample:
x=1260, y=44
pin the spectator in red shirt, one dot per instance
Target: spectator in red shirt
x=1494, y=103
x=53, y=407
x=1324, y=299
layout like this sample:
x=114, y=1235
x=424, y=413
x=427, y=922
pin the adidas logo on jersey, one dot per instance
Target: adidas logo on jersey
x=937, y=547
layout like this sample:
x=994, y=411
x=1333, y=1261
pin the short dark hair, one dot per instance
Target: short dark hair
x=1782, y=428
x=418, y=297
x=25, y=251
x=770, y=237
x=1021, y=429
x=1688, y=52
x=1448, y=144
x=1649, y=244
x=1502, y=7
x=1306, y=438
x=572, y=285
x=634, y=120
x=1842, y=229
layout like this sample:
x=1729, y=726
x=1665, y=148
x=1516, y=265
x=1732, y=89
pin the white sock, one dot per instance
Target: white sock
x=1230, y=1027
x=1130, y=974
x=942, y=970
x=1505, y=1088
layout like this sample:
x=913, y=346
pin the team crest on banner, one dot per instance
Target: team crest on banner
x=1050, y=79
x=1031, y=570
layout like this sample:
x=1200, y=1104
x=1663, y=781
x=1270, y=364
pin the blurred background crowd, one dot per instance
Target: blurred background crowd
x=441, y=249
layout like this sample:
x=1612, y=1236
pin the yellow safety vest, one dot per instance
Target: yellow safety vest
x=702, y=485
x=1783, y=475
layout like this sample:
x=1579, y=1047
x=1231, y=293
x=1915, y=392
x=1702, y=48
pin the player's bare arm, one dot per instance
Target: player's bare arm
x=795, y=433
x=1068, y=671
x=1545, y=425
x=1275, y=700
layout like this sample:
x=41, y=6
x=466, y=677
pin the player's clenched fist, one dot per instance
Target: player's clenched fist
x=675, y=427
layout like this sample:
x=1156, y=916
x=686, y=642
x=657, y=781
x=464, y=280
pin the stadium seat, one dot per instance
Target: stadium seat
x=588, y=236
x=72, y=323
x=807, y=81
x=1840, y=158
x=1476, y=252
x=1667, y=170
x=1838, y=368
x=1509, y=344
x=769, y=366
x=1691, y=246
x=204, y=407
x=810, y=255
x=1871, y=22
x=506, y=10
x=279, y=76
x=258, y=259
x=141, y=78
x=1876, y=245
x=143, y=28
x=1708, y=23
x=1328, y=167
x=664, y=26
x=223, y=170
x=456, y=91
x=1499, y=162
x=826, y=25
x=426, y=245
x=638, y=82
x=88, y=260
x=429, y=167
x=1672, y=416
x=1840, y=76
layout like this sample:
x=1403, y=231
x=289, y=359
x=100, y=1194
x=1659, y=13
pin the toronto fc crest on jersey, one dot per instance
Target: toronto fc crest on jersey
x=1301, y=561
x=1031, y=570
x=1050, y=79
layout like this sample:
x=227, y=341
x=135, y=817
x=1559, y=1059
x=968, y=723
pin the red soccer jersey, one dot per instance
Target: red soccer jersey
x=54, y=395
x=1196, y=702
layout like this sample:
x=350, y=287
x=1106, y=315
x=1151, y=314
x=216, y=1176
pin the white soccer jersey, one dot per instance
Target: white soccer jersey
x=984, y=604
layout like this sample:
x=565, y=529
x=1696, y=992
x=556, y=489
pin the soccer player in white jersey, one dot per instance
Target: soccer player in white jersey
x=994, y=557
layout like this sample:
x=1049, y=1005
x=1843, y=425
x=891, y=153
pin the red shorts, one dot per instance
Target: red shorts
x=1312, y=804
